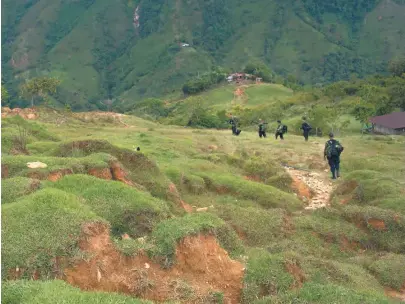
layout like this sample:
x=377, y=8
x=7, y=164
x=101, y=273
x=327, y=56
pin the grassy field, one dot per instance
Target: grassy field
x=349, y=252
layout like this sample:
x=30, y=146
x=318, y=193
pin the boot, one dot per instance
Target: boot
x=337, y=173
x=333, y=174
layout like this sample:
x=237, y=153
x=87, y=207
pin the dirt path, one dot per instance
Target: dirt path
x=312, y=187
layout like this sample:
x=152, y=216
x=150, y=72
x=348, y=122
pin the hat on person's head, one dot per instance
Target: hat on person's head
x=331, y=135
x=279, y=121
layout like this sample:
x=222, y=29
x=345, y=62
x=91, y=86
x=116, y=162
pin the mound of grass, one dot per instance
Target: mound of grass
x=387, y=227
x=17, y=165
x=327, y=293
x=389, y=270
x=345, y=274
x=267, y=196
x=265, y=275
x=141, y=169
x=333, y=229
x=13, y=188
x=127, y=209
x=36, y=130
x=58, y=292
x=40, y=227
x=257, y=227
x=44, y=148
x=266, y=171
x=167, y=233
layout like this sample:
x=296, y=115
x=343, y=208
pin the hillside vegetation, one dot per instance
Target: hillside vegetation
x=128, y=50
x=159, y=224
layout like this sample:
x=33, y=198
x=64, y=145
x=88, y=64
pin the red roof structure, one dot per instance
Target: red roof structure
x=394, y=120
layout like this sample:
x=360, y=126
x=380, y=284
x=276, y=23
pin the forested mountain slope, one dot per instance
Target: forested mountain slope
x=131, y=49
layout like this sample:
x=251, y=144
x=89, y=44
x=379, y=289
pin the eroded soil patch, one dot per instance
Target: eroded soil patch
x=202, y=267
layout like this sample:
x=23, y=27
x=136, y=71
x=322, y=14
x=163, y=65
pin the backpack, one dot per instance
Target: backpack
x=306, y=127
x=284, y=129
x=333, y=148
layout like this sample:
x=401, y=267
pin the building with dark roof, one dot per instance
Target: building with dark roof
x=393, y=123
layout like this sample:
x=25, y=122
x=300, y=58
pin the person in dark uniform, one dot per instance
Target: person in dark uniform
x=262, y=128
x=281, y=129
x=234, y=123
x=306, y=128
x=332, y=152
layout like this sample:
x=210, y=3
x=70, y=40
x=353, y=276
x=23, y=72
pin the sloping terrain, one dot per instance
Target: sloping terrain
x=131, y=49
x=196, y=216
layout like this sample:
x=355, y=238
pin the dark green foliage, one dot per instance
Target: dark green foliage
x=66, y=19
x=216, y=24
x=351, y=11
x=205, y=81
x=397, y=67
x=259, y=69
x=150, y=20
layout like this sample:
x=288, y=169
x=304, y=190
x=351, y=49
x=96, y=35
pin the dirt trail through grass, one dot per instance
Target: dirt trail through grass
x=312, y=187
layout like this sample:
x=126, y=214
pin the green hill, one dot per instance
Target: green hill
x=99, y=51
x=154, y=224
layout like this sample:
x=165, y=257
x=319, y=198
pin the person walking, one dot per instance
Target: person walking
x=234, y=123
x=332, y=152
x=281, y=129
x=262, y=128
x=306, y=127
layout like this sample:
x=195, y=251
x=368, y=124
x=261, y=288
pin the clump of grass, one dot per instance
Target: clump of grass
x=140, y=168
x=44, y=148
x=330, y=228
x=390, y=235
x=34, y=129
x=13, y=188
x=315, y=293
x=40, y=227
x=58, y=292
x=265, y=275
x=259, y=227
x=168, y=232
x=345, y=274
x=127, y=209
x=17, y=165
x=389, y=270
x=266, y=196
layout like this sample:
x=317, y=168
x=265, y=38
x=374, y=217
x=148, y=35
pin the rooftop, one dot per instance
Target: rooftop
x=394, y=120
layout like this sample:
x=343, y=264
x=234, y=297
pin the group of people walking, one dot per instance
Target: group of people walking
x=332, y=150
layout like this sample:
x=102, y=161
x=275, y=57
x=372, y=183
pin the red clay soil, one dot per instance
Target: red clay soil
x=119, y=174
x=400, y=295
x=57, y=175
x=253, y=178
x=103, y=173
x=347, y=245
x=297, y=273
x=174, y=195
x=200, y=263
x=186, y=207
x=300, y=188
x=4, y=171
x=377, y=224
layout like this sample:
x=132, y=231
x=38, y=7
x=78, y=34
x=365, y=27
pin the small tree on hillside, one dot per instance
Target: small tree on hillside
x=397, y=67
x=39, y=86
x=4, y=94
